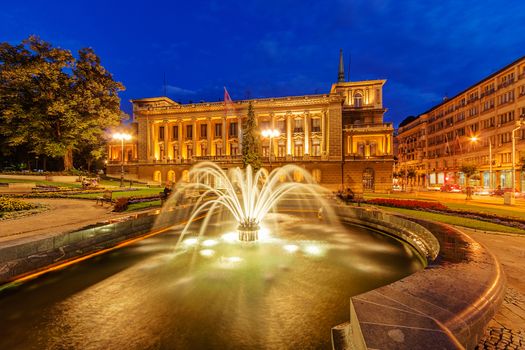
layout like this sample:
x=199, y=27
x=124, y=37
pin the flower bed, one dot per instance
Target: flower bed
x=11, y=204
x=437, y=207
x=407, y=204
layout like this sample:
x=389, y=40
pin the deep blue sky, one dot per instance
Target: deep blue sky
x=426, y=49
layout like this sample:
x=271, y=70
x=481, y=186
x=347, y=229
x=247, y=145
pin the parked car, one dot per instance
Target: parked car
x=433, y=188
x=453, y=188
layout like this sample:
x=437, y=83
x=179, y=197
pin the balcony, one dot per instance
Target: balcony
x=316, y=129
x=298, y=130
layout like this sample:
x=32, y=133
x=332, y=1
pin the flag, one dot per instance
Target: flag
x=229, y=109
x=447, y=146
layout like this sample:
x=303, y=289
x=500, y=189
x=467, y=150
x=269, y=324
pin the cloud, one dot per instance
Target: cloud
x=175, y=90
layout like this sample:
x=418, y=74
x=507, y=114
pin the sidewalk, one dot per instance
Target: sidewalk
x=64, y=215
x=507, y=329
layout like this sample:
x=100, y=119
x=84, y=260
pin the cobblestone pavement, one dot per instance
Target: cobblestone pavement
x=507, y=329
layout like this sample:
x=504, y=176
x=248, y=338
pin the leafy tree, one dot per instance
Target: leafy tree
x=251, y=141
x=53, y=103
x=468, y=170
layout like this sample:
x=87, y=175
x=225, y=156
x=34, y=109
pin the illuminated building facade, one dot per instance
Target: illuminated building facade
x=474, y=127
x=340, y=137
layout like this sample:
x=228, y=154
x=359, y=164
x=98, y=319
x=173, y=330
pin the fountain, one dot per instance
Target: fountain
x=247, y=195
x=254, y=266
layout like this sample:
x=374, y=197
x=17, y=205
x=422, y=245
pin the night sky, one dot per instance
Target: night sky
x=426, y=49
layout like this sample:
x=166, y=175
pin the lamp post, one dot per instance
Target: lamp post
x=475, y=139
x=271, y=133
x=122, y=136
x=519, y=123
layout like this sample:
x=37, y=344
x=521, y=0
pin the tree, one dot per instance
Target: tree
x=468, y=170
x=53, y=103
x=251, y=141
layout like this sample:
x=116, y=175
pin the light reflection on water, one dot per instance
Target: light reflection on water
x=286, y=292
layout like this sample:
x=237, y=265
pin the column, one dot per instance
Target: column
x=274, y=139
x=351, y=145
x=306, y=121
x=153, y=141
x=181, y=142
x=324, y=134
x=239, y=132
x=224, y=130
x=148, y=139
x=288, y=134
x=194, y=137
x=208, y=137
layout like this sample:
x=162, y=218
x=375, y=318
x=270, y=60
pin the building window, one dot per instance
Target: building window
x=218, y=130
x=368, y=179
x=316, y=125
x=281, y=151
x=233, y=130
x=281, y=126
x=373, y=149
x=204, y=131
x=298, y=126
x=265, y=151
x=175, y=132
x=264, y=125
x=298, y=150
x=203, y=149
x=161, y=133
x=189, y=151
x=316, y=175
x=175, y=152
x=218, y=149
x=234, y=149
x=358, y=100
x=189, y=132
x=316, y=150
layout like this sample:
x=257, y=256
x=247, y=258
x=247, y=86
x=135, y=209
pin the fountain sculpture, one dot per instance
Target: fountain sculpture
x=246, y=194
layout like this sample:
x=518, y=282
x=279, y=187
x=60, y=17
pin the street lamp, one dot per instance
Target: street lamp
x=519, y=123
x=271, y=133
x=475, y=139
x=122, y=136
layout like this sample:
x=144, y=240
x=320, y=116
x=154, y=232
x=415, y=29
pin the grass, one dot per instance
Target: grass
x=43, y=182
x=141, y=192
x=455, y=220
x=472, y=207
x=143, y=205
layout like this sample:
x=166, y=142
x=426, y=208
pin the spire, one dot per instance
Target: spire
x=341, y=74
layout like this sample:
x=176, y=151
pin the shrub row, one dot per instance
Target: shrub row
x=11, y=204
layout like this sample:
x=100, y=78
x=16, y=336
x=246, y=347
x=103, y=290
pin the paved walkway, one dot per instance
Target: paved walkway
x=64, y=215
x=507, y=329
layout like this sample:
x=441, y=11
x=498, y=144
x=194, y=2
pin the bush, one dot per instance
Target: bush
x=10, y=204
x=121, y=204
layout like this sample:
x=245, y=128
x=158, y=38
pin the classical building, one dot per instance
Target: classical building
x=340, y=137
x=482, y=125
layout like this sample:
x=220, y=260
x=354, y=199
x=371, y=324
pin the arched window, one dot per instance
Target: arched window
x=298, y=176
x=186, y=176
x=171, y=177
x=358, y=100
x=157, y=177
x=368, y=179
x=316, y=175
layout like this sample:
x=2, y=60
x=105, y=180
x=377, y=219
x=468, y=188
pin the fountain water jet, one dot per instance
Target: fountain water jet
x=246, y=194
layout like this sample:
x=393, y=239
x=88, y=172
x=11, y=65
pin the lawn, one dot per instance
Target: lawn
x=44, y=183
x=455, y=220
x=140, y=192
x=143, y=205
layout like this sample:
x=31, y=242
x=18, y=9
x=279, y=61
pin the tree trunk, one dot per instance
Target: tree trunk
x=89, y=163
x=68, y=160
x=45, y=164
